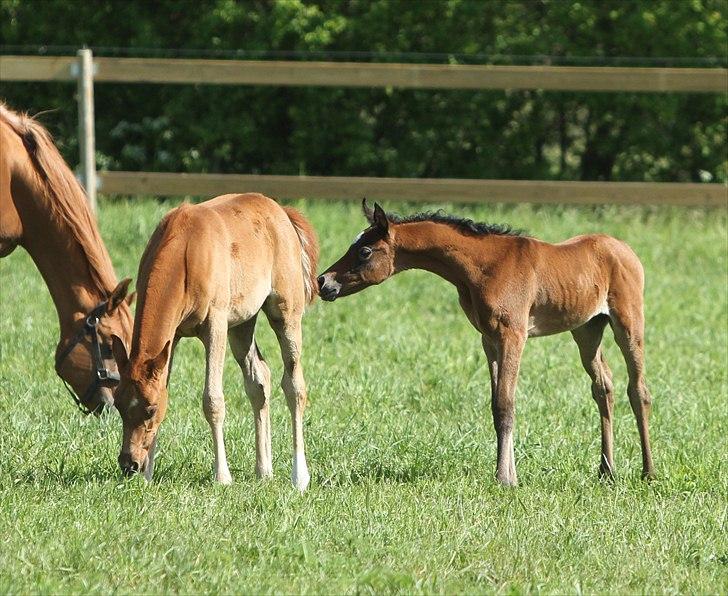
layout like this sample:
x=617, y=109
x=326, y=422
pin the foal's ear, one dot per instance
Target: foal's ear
x=130, y=298
x=380, y=219
x=368, y=211
x=156, y=365
x=117, y=296
x=118, y=349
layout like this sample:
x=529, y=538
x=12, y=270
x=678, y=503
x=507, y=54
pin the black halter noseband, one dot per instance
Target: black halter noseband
x=102, y=376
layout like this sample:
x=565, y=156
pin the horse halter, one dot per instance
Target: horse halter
x=102, y=376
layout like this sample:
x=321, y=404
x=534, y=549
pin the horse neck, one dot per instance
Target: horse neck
x=64, y=265
x=57, y=229
x=160, y=303
x=441, y=249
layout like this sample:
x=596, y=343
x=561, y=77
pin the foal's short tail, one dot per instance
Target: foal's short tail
x=309, y=251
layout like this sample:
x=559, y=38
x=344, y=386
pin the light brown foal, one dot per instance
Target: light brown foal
x=207, y=271
x=513, y=287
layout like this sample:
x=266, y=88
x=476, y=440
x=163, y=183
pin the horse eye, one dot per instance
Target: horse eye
x=364, y=253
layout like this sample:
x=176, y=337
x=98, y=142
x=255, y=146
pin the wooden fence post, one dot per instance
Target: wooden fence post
x=86, y=135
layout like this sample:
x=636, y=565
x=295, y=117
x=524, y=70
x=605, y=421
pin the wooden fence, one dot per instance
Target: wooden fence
x=356, y=74
x=415, y=189
x=86, y=71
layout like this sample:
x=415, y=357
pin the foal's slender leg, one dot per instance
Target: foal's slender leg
x=256, y=376
x=288, y=332
x=213, y=400
x=628, y=325
x=589, y=337
x=149, y=465
x=492, y=355
x=504, y=403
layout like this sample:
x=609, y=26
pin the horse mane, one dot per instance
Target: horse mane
x=309, y=251
x=64, y=196
x=464, y=225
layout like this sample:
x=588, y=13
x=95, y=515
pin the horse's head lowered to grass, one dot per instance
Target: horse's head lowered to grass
x=369, y=260
x=84, y=360
x=43, y=209
x=141, y=400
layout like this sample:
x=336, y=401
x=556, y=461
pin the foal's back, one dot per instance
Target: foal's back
x=235, y=250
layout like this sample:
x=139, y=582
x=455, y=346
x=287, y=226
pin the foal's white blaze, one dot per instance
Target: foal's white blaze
x=300, y=476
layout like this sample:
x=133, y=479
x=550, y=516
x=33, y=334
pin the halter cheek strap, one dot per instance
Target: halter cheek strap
x=102, y=376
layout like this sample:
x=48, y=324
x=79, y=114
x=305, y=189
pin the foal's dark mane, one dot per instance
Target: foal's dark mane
x=464, y=225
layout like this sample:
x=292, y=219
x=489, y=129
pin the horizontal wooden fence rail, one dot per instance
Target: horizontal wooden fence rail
x=415, y=189
x=356, y=74
x=348, y=74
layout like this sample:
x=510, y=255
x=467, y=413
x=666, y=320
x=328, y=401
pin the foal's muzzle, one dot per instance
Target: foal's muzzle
x=128, y=466
x=328, y=287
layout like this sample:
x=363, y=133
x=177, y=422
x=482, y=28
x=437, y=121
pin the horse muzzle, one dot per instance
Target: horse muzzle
x=329, y=289
x=128, y=466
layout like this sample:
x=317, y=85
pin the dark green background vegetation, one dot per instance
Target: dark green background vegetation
x=388, y=132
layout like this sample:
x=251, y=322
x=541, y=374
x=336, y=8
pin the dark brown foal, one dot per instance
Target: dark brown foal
x=513, y=287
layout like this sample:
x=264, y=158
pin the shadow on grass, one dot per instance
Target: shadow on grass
x=378, y=472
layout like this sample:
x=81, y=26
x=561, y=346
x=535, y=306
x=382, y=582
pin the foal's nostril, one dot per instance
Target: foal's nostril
x=321, y=281
x=128, y=466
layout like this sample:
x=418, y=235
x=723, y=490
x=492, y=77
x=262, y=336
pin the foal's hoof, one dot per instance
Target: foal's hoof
x=264, y=473
x=507, y=480
x=300, y=481
x=649, y=475
x=299, y=472
x=224, y=479
x=606, y=469
x=606, y=473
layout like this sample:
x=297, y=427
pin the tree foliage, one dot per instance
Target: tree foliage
x=389, y=132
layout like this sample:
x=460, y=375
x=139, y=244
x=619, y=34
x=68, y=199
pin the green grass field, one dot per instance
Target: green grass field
x=399, y=438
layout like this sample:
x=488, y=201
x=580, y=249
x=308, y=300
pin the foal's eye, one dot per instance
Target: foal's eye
x=364, y=253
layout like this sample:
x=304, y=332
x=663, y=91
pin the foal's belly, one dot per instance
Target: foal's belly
x=246, y=301
x=547, y=320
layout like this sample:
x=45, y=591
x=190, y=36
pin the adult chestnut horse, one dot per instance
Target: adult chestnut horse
x=43, y=209
x=207, y=271
x=512, y=287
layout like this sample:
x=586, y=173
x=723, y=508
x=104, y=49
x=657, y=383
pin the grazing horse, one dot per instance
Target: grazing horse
x=513, y=287
x=43, y=209
x=207, y=271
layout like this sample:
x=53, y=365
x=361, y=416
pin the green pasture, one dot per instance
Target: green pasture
x=400, y=442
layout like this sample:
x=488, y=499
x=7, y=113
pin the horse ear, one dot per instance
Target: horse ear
x=119, y=351
x=368, y=212
x=117, y=296
x=156, y=365
x=380, y=218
